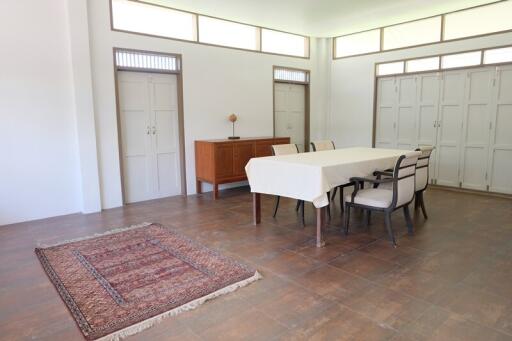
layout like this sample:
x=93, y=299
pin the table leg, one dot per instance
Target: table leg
x=256, y=208
x=320, y=217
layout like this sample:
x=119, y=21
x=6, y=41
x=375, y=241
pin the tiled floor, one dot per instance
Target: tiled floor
x=452, y=280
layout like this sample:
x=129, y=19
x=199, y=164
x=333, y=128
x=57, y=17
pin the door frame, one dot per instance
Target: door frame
x=181, y=125
x=306, y=99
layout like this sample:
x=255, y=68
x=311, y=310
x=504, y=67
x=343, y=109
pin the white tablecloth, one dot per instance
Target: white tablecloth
x=309, y=176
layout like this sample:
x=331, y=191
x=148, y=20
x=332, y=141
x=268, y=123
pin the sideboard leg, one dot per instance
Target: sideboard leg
x=215, y=191
x=199, y=187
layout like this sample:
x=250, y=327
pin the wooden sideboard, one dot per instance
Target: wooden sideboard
x=223, y=161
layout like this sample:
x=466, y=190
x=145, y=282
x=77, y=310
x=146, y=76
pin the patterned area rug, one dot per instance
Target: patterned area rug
x=126, y=280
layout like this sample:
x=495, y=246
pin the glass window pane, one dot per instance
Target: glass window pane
x=423, y=64
x=358, y=43
x=284, y=43
x=414, y=33
x=481, y=20
x=390, y=68
x=291, y=75
x=143, y=18
x=227, y=33
x=461, y=59
x=142, y=60
x=502, y=55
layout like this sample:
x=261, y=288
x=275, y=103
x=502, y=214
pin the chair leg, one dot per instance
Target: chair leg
x=297, y=206
x=408, y=220
x=366, y=220
x=347, y=218
x=334, y=193
x=422, y=204
x=341, y=198
x=302, y=213
x=391, y=234
x=369, y=217
x=416, y=200
x=276, y=206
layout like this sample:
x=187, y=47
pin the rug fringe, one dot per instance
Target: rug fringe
x=116, y=230
x=136, y=328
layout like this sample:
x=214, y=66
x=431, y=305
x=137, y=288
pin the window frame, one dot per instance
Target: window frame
x=197, y=32
x=441, y=40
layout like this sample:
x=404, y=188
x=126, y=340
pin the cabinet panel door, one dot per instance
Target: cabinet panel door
x=427, y=109
x=385, y=134
x=224, y=160
x=476, y=128
x=500, y=170
x=243, y=152
x=450, y=127
x=406, y=115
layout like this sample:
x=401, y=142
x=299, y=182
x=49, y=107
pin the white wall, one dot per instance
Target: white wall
x=216, y=82
x=39, y=167
x=352, y=86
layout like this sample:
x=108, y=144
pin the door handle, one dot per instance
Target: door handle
x=154, y=130
x=148, y=130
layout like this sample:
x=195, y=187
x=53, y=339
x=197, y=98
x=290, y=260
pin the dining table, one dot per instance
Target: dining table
x=310, y=176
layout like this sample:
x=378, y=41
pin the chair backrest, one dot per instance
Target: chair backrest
x=404, y=175
x=284, y=149
x=318, y=146
x=422, y=167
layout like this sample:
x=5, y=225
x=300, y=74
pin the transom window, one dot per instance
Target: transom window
x=449, y=61
x=160, y=21
x=477, y=21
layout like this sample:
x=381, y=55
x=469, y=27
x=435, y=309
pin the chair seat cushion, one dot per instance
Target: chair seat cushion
x=375, y=197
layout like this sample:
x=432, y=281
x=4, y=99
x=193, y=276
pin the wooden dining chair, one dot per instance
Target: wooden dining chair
x=422, y=177
x=321, y=145
x=287, y=149
x=401, y=194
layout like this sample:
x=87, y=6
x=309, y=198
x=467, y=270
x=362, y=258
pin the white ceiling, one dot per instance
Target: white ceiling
x=321, y=18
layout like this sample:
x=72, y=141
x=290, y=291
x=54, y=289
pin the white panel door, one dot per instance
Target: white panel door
x=406, y=113
x=135, y=124
x=427, y=112
x=165, y=131
x=290, y=112
x=385, y=125
x=449, y=127
x=500, y=170
x=476, y=123
x=149, y=135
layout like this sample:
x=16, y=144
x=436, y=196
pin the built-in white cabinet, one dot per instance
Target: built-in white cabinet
x=466, y=114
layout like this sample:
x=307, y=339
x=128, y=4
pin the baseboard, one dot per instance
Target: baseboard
x=471, y=191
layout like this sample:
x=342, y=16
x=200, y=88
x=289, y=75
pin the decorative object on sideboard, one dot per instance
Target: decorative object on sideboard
x=232, y=118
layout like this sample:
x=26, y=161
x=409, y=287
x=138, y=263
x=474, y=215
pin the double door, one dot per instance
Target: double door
x=148, y=107
x=465, y=114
